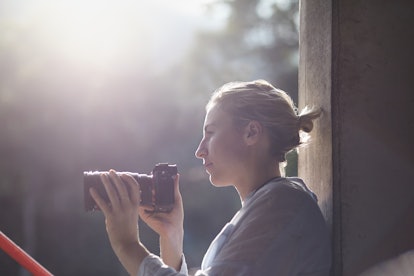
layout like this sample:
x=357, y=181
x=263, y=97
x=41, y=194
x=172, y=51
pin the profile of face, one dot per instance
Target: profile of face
x=222, y=148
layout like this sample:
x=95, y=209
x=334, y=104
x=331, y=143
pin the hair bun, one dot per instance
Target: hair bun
x=306, y=117
x=305, y=124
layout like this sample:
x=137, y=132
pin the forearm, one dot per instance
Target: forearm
x=131, y=256
x=171, y=248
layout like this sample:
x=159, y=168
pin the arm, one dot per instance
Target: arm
x=169, y=226
x=121, y=218
x=122, y=223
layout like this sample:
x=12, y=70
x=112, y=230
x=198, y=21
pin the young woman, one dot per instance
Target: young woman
x=248, y=129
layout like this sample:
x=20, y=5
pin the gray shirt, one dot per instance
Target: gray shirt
x=278, y=231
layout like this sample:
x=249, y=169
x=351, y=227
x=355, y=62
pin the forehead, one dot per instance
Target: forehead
x=216, y=116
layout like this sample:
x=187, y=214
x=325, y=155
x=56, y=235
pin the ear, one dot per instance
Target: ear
x=252, y=132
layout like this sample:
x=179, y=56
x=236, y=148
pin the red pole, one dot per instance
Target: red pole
x=24, y=259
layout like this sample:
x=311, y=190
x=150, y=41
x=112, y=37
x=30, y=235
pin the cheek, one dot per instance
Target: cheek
x=226, y=147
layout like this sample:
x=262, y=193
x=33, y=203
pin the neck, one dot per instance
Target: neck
x=257, y=177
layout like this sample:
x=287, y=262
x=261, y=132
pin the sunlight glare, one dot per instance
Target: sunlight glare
x=101, y=32
x=89, y=31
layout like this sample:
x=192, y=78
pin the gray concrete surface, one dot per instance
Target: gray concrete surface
x=356, y=62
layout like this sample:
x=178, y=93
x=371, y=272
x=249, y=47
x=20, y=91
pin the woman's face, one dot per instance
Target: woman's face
x=222, y=148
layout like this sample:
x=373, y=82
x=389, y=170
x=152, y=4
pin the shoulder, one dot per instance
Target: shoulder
x=278, y=229
x=282, y=209
x=279, y=205
x=282, y=194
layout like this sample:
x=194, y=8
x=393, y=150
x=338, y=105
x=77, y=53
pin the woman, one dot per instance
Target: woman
x=248, y=129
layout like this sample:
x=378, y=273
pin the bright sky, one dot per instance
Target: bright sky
x=100, y=32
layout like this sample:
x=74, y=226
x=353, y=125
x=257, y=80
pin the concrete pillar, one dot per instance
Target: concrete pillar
x=356, y=62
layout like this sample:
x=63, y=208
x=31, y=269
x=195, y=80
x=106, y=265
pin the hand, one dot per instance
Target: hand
x=122, y=213
x=170, y=228
x=165, y=223
x=121, y=218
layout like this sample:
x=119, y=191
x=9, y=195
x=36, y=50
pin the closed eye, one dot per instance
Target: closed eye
x=208, y=129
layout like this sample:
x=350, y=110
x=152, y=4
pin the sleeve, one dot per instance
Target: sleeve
x=152, y=265
x=282, y=233
x=398, y=266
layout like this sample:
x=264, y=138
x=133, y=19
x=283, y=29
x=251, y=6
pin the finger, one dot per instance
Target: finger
x=100, y=201
x=177, y=194
x=110, y=190
x=120, y=187
x=135, y=193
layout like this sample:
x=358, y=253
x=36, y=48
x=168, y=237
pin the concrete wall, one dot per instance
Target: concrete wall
x=356, y=61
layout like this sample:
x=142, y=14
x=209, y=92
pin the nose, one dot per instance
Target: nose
x=201, y=151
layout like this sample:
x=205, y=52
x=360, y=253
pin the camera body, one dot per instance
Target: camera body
x=157, y=188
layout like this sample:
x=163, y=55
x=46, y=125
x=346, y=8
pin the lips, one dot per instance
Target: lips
x=207, y=165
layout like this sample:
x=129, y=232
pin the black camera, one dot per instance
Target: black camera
x=157, y=188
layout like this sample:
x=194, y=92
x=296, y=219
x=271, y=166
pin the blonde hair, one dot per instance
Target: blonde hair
x=273, y=108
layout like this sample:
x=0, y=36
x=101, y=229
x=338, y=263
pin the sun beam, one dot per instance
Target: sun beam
x=101, y=33
x=91, y=31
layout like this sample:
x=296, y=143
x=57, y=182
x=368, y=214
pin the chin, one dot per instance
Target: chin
x=217, y=182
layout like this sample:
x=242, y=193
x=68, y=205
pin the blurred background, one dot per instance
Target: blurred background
x=100, y=84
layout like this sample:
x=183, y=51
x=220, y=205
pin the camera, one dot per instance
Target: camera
x=157, y=188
